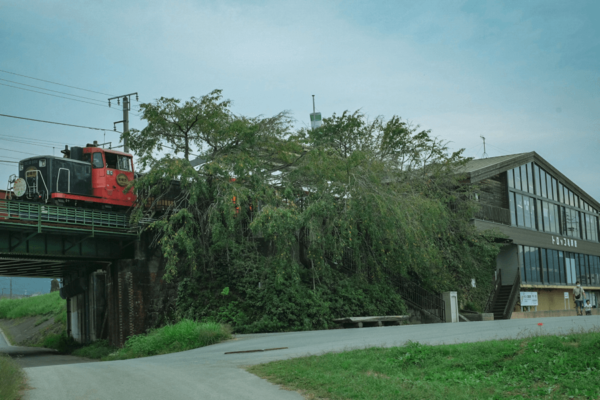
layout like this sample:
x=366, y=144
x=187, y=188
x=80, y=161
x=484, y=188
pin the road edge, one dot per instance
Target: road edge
x=5, y=338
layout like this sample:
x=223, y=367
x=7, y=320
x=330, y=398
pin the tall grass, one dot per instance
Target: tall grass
x=46, y=304
x=184, y=335
x=11, y=378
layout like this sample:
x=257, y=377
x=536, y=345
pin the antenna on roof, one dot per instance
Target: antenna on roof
x=484, y=153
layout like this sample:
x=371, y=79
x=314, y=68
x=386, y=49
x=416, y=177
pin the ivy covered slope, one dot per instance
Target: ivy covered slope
x=304, y=226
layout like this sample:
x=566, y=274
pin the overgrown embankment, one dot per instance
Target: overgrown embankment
x=41, y=321
x=29, y=321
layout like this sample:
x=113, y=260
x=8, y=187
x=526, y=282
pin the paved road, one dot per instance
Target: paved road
x=37, y=356
x=207, y=373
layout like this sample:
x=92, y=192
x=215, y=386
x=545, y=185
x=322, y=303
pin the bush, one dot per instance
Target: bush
x=184, y=335
x=11, y=378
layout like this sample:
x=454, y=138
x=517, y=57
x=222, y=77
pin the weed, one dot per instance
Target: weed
x=12, y=378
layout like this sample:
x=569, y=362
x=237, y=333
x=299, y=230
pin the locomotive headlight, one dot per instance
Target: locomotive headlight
x=20, y=167
x=42, y=163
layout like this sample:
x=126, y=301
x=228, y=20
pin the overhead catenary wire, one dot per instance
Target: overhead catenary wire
x=60, y=123
x=56, y=83
x=54, y=91
x=62, y=97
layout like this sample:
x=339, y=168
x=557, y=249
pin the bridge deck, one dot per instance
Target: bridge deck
x=45, y=240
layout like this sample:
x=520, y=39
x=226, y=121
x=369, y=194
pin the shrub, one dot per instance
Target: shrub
x=11, y=378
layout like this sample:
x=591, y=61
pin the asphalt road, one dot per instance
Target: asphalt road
x=208, y=373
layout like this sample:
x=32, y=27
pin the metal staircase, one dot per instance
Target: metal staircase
x=503, y=298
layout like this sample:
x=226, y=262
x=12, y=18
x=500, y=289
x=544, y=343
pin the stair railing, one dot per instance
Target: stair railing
x=494, y=293
x=514, y=295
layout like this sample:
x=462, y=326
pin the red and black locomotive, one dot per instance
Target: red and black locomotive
x=84, y=177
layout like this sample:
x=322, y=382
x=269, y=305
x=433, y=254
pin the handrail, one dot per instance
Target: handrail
x=42, y=213
x=494, y=293
x=512, y=298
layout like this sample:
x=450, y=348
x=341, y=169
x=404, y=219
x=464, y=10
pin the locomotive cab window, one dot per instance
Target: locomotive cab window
x=111, y=160
x=124, y=163
x=97, y=161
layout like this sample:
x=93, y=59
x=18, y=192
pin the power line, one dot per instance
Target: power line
x=59, y=123
x=17, y=151
x=55, y=91
x=55, y=83
x=62, y=97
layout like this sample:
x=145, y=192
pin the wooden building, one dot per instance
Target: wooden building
x=552, y=228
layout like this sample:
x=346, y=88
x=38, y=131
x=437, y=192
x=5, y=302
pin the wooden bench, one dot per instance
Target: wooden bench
x=359, y=322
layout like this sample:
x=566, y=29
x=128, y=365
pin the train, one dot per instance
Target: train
x=90, y=177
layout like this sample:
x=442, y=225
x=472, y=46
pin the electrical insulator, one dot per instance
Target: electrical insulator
x=118, y=102
x=136, y=97
x=109, y=103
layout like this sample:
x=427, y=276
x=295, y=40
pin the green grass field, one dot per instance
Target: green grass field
x=12, y=378
x=544, y=367
x=45, y=305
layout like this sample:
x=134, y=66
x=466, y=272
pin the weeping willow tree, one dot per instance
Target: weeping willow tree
x=302, y=226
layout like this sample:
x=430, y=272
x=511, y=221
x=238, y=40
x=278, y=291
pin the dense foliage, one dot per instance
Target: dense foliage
x=303, y=226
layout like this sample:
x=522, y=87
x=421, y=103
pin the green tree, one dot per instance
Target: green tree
x=303, y=226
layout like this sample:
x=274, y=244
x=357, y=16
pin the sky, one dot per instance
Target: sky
x=525, y=75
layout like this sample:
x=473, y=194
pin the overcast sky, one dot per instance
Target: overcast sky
x=524, y=74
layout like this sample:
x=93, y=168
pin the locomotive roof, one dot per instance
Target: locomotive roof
x=114, y=152
x=56, y=158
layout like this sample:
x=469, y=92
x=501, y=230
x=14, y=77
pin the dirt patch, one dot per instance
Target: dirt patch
x=28, y=331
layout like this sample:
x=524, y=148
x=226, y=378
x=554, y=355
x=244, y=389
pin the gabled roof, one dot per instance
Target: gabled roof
x=484, y=168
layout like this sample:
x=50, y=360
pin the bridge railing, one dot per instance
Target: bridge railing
x=14, y=211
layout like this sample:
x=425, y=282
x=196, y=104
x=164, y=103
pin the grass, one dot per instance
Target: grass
x=184, y=335
x=12, y=378
x=545, y=367
x=45, y=305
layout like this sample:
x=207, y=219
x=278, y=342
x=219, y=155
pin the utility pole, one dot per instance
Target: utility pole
x=126, y=107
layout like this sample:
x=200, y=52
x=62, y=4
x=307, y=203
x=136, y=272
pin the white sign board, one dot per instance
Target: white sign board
x=566, y=295
x=529, y=299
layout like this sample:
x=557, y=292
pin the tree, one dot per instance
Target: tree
x=303, y=226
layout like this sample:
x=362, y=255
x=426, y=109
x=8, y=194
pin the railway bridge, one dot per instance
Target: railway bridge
x=104, y=269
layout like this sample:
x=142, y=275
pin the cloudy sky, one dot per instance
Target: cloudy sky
x=526, y=75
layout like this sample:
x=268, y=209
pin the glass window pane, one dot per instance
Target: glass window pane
x=529, y=179
x=549, y=185
x=554, y=191
x=517, y=178
x=521, y=264
x=527, y=211
x=511, y=203
x=543, y=182
x=561, y=194
x=536, y=173
x=571, y=200
x=562, y=267
x=511, y=178
x=544, y=267
x=520, y=216
x=546, y=216
x=557, y=269
x=539, y=219
x=576, y=199
x=524, y=178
